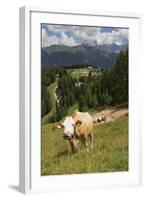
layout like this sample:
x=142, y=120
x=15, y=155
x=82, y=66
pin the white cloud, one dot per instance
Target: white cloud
x=75, y=35
x=44, y=38
x=62, y=40
x=86, y=33
x=65, y=40
x=118, y=37
x=48, y=40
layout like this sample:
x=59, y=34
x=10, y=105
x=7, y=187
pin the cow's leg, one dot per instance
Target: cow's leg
x=86, y=143
x=73, y=147
x=82, y=142
x=91, y=139
x=76, y=140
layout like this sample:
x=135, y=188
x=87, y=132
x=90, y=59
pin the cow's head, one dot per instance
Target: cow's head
x=69, y=125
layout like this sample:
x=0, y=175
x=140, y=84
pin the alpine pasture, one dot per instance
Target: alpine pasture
x=110, y=152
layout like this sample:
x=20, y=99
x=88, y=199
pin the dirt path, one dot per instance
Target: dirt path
x=55, y=95
x=110, y=114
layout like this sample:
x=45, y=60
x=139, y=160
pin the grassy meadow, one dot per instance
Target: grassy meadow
x=51, y=90
x=76, y=73
x=110, y=153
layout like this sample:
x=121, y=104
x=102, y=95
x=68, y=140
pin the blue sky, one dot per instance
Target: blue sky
x=76, y=35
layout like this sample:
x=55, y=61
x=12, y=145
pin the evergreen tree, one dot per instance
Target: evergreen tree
x=45, y=102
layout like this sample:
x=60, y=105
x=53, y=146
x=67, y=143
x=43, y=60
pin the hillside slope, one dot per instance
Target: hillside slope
x=59, y=55
x=110, y=153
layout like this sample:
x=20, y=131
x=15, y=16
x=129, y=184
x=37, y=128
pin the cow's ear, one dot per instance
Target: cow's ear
x=78, y=123
x=60, y=125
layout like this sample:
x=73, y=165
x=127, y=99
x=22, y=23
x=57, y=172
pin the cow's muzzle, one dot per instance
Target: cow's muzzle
x=66, y=137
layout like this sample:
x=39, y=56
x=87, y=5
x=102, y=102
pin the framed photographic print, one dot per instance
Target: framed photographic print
x=79, y=100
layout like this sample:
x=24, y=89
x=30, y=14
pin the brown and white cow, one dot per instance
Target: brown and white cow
x=78, y=127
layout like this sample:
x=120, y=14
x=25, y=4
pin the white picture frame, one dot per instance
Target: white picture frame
x=30, y=151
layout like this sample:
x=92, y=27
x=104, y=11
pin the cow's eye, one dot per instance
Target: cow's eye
x=72, y=125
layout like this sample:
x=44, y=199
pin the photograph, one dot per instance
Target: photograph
x=84, y=99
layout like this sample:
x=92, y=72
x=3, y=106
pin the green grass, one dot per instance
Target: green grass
x=51, y=90
x=72, y=109
x=76, y=73
x=110, y=151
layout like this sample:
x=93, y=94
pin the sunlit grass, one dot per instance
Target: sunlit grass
x=110, y=153
x=51, y=90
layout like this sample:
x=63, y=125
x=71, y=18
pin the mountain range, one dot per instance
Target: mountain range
x=103, y=56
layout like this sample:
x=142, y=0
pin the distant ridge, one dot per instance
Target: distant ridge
x=103, y=56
